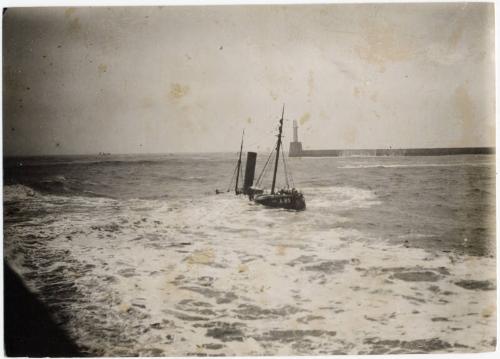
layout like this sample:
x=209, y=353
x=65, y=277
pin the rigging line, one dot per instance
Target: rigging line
x=291, y=177
x=264, y=168
x=263, y=174
x=234, y=173
x=241, y=172
x=284, y=168
x=230, y=182
x=239, y=164
x=232, y=178
x=268, y=167
x=289, y=171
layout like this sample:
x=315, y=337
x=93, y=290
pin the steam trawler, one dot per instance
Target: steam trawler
x=288, y=198
x=237, y=173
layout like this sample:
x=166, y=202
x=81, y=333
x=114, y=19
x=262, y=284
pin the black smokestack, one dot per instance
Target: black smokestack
x=249, y=170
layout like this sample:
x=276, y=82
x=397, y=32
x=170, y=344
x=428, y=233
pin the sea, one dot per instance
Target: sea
x=137, y=254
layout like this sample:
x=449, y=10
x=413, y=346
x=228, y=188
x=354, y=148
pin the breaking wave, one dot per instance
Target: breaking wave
x=169, y=268
x=17, y=192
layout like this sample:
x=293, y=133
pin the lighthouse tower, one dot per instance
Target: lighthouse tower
x=295, y=146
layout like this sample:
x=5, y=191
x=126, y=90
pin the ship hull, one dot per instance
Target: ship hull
x=286, y=201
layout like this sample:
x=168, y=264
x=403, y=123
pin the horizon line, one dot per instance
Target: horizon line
x=106, y=154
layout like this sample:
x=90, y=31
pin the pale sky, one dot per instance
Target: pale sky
x=176, y=79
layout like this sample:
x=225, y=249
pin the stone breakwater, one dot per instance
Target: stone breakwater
x=297, y=151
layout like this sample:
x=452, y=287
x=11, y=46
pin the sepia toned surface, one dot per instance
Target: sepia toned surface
x=120, y=124
x=136, y=255
x=176, y=79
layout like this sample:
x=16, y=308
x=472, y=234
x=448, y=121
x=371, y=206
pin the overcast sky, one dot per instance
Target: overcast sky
x=175, y=79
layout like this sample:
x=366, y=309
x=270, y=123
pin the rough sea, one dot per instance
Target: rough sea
x=137, y=255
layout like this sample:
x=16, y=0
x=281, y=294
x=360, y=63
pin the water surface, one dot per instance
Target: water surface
x=136, y=255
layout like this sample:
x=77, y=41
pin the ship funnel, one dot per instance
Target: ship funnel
x=249, y=171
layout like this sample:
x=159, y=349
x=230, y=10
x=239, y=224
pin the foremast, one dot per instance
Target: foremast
x=278, y=145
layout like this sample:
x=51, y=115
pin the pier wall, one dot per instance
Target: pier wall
x=296, y=151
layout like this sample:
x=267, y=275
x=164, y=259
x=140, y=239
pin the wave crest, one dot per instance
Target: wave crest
x=17, y=192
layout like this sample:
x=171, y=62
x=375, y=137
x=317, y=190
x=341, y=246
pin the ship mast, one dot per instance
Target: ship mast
x=278, y=145
x=239, y=165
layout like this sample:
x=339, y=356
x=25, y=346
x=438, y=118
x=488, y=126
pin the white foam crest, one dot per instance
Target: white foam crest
x=271, y=275
x=332, y=197
x=17, y=192
x=269, y=269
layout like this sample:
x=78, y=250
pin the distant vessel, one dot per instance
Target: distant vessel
x=288, y=198
x=297, y=151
